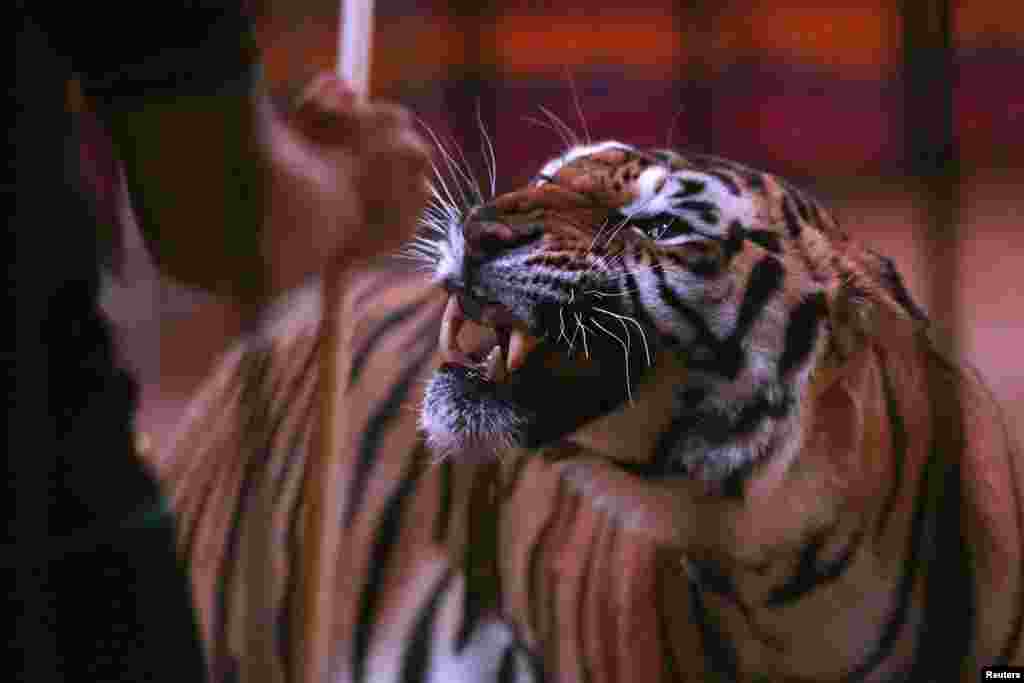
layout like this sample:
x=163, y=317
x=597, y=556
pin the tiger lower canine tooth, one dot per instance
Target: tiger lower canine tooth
x=496, y=365
x=520, y=344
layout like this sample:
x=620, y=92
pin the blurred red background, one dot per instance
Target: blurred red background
x=820, y=94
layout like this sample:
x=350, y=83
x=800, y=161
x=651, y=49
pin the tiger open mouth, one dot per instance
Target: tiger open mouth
x=499, y=348
x=504, y=383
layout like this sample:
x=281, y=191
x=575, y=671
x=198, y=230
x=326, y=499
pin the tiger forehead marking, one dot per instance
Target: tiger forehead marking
x=641, y=185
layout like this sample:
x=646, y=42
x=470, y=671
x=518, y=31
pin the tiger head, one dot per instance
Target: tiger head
x=668, y=312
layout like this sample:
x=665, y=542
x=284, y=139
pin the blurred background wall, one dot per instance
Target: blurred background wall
x=906, y=118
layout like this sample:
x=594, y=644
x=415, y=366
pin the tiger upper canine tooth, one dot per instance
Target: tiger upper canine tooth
x=451, y=323
x=496, y=365
x=520, y=344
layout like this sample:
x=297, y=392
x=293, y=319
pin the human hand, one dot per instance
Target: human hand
x=347, y=181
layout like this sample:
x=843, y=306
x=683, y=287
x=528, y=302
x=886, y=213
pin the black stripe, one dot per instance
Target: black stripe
x=581, y=590
x=710, y=576
x=689, y=187
x=793, y=225
x=901, y=606
x=376, y=428
x=802, y=331
x=417, y=655
x=704, y=335
x=444, y=503
x=310, y=366
x=292, y=544
x=766, y=239
x=394, y=318
x=564, y=262
x=755, y=180
x=633, y=289
x=727, y=357
x=899, y=449
x=719, y=652
x=508, y=668
x=275, y=396
x=707, y=210
x=661, y=464
x=764, y=281
x=480, y=554
x=733, y=242
x=707, y=162
x=810, y=573
x=533, y=561
x=293, y=547
x=707, y=267
x=297, y=450
x=718, y=426
x=253, y=431
x=388, y=530
x=947, y=626
x=897, y=289
x=668, y=653
x=801, y=202
x=735, y=483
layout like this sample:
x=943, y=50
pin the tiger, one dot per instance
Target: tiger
x=652, y=416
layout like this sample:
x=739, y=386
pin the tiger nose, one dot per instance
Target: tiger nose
x=486, y=236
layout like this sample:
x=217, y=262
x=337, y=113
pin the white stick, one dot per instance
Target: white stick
x=355, y=32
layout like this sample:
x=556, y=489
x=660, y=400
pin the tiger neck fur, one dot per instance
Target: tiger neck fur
x=739, y=552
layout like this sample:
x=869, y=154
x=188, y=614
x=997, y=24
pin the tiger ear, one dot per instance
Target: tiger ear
x=859, y=316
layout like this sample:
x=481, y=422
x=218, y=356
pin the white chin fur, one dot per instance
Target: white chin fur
x=467, y=429
x=453, y=446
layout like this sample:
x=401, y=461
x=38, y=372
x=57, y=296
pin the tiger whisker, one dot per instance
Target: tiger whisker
x=618, y=228
x=597, y=236
x=492, y=163
x=468, y=174
x=626, y=220
x=561, y=332
x=453, y=172
x=579, y=107
x=544, y=124
x=623, y=319
x=672, y=126
x=448, y=207
x=625, y=352
x=574, y=139
x=462, y=177
x=616, y=259
x=582, y=328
